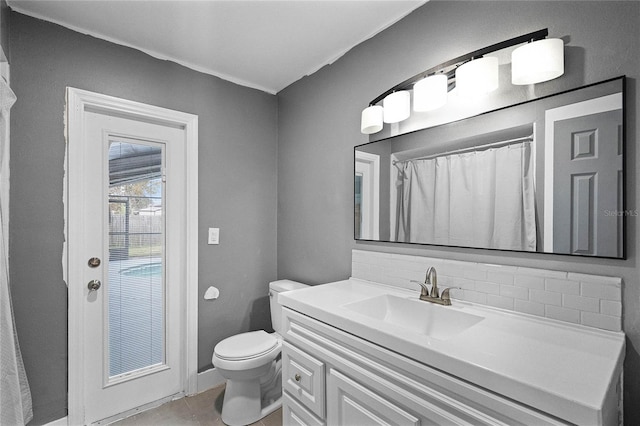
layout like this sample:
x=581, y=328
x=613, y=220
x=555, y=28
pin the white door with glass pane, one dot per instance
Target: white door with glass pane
x=133, y=209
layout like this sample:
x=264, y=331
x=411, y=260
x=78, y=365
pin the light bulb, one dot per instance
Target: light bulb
x=430, y=93
x=371, y=121
x=397, y=106
x=477, y=77
x=538, y=61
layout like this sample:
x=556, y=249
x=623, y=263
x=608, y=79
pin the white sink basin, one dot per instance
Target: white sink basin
x=439, y=322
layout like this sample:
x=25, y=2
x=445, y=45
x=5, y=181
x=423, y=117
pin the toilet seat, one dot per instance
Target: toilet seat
x=245, y=346
x=245, y=351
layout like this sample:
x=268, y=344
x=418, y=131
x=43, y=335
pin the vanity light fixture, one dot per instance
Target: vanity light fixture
x=541, y=59
x=430, y=93
x=371, y=121
x=477, y=77
x=396, y=106
x=538, y=61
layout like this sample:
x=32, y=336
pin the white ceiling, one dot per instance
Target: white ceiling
x=264, y=44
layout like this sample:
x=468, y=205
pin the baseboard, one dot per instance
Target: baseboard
x=206, y=380
x=60, y=422
x=209, y=379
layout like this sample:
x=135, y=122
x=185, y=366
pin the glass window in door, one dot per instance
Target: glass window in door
x=136, y=281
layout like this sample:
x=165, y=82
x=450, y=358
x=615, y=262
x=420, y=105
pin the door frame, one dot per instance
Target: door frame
x=371, y=164
x=78, y=101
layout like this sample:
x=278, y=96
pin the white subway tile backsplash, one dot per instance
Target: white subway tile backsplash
x=581, y=303
x=567, y=296
x=474, y=274
x=500, y=301
x=514, y=292
x=450, y=269
x=487, y=287
x=405, y=274
x=366, y=271
x=500, y=277
x=601, y=321
x=562, y=314
x=545, y=297
x=445, y=281
x=607, y=292
x=528, y=307
x=464, y=283
x=530, y=281
x=400, y=282
x=542, y=273
x=562, y=286
x=400, y=264
x=609, y=307
x=475, y=296
x=612, y=281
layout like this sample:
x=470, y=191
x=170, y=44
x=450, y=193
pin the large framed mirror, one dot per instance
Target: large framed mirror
x=544, y=176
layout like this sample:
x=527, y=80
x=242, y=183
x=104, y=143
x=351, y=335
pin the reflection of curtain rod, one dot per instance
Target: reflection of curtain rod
x=470, y=149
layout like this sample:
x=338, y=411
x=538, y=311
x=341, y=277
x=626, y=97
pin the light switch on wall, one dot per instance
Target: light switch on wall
x=214, y=236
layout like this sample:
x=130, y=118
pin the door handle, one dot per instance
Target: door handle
x=93, y=285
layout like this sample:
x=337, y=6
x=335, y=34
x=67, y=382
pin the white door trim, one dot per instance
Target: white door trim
x=78, y=101
x=371, y=163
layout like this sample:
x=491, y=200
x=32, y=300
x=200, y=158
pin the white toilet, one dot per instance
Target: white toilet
x=252, y=365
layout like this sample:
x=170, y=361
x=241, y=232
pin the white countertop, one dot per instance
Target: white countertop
x=559, y=368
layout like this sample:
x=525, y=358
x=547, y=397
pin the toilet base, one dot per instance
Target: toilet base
x=247, y=401
x=241, y=404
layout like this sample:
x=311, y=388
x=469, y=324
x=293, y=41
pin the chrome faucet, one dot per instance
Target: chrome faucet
x=432, y=278
x=433, y=296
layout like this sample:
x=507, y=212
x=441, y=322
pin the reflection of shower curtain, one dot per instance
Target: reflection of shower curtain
x=15, y=397
x=474, y=199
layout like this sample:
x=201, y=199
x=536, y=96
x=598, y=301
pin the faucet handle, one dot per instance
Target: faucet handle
x=445, y=293
x=424, y=292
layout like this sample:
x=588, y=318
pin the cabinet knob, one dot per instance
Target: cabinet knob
x=297, y=377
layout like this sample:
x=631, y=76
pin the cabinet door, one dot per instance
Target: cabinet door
x=294, y=414
x=350, y=403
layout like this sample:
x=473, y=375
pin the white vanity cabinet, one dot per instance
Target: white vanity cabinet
x=331, y=377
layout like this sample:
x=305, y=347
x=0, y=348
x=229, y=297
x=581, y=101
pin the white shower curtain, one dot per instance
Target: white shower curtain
x=15, y=397
x=474, y=199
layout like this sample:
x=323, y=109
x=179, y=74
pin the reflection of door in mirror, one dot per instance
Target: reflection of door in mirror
x=587, y=176
x=367, y=196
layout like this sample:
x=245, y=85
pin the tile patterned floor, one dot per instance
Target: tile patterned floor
x=202, y=409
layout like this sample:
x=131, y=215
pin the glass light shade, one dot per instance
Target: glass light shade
x=371, y=121
x=538, y=61
x=397, y=106
x=477, y=77
x=430, y=93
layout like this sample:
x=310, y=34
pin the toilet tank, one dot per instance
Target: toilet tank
x=275, y=288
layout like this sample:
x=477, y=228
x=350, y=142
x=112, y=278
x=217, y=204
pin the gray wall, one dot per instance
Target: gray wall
x=319, y=119
x=237, y=181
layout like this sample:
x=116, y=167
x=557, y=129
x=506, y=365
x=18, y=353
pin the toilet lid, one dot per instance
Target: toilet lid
x=246, y=345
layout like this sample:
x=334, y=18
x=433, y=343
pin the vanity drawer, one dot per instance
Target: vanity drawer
x=294, y=414
x=303, y=376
